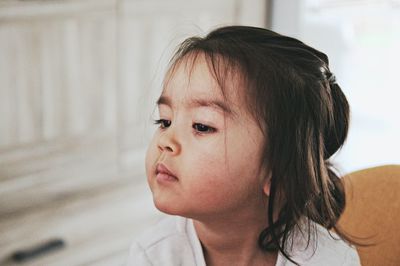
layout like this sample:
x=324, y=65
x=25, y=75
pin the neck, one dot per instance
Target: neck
x=232, y=239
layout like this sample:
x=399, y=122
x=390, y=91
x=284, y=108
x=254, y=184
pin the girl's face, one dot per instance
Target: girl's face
x=211, y=145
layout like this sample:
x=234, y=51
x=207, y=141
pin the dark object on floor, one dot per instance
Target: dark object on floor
x=29, y=254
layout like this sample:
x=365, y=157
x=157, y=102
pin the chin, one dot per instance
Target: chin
x=167, y=207
x=177, y=211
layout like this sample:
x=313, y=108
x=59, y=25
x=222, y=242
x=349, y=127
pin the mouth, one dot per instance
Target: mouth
x=163, y=174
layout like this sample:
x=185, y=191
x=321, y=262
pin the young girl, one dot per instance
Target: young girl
x=248, y=120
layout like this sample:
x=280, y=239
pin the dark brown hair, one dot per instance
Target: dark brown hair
x=303, y=114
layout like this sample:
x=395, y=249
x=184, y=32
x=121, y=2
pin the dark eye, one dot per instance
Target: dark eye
x=203, y=128
x=162, y=122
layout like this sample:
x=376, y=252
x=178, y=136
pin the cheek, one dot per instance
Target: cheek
x=221, y=171
x=210, y=177
x=203, y=162
x=208, y=161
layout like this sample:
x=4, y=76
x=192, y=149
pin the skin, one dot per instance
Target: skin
x=215, y=155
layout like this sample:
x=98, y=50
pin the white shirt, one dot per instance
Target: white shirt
x=174, y=242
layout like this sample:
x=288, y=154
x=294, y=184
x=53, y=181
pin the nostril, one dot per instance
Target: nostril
x=165, y=148
x=169, y=149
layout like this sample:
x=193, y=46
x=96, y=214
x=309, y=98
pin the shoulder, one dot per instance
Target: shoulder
x=325, y=248
x=162, y=245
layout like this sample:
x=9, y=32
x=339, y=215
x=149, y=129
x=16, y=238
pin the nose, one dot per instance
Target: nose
x=168, y=142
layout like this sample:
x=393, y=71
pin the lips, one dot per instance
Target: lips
x=164, y=173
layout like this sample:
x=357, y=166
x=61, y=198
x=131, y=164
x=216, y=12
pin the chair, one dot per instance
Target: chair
x=373, y=210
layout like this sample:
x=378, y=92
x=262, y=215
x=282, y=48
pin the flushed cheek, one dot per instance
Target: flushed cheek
x=210, y=184
x=214, y=195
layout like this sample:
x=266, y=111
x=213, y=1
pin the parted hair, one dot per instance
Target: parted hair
x=303, y=113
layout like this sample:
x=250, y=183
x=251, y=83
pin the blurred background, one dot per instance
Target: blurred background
x=78, y=85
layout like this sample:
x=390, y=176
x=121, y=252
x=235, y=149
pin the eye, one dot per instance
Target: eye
x=200, y=128
x=162, y=122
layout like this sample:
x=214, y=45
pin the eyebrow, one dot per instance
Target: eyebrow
x=215, y=104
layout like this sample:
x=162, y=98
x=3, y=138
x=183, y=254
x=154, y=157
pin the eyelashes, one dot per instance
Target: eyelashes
x=162, y=122
x=203, y=128
x=198, y=127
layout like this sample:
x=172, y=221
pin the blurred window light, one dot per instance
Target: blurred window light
x=362, y=40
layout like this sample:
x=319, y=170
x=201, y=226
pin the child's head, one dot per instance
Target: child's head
x=208, y=141
x=249, y=119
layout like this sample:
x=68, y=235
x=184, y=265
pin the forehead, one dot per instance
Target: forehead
x=195, y=79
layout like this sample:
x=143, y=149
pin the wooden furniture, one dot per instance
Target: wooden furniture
x=373, y=210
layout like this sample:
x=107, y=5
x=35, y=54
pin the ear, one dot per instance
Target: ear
x=267, y=185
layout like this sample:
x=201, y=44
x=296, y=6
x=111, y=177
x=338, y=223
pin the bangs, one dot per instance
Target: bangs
x=225, y=70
